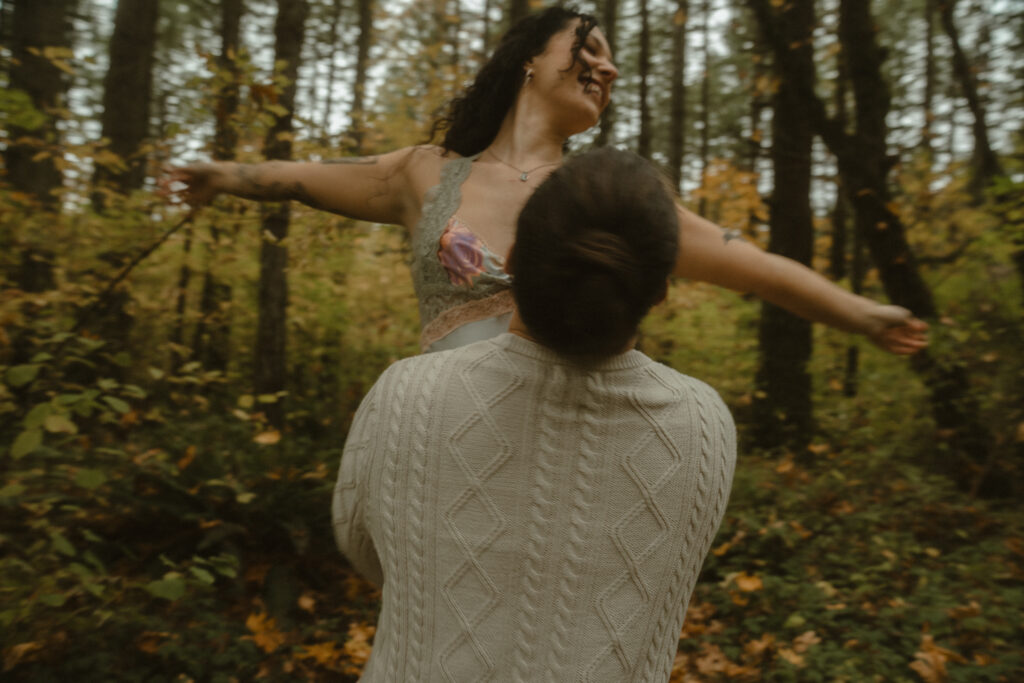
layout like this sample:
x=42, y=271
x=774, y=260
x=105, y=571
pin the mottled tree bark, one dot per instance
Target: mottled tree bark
x=986, y=164
x=865, y=164
x=127, y=94
x=783, y=413
x=363, y=43
x=35, y=26
x=211, y=342
x=643, y=144
x=677, y=124
x=271, y=360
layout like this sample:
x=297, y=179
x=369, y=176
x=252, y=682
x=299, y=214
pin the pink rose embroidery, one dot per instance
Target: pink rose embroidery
x=461, y=254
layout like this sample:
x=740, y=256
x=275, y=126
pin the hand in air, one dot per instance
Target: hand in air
x=192, y=184
x=896, y=330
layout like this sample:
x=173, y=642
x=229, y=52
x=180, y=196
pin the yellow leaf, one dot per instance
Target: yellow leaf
x=186, y=460
x=324, y=654
x=804, y=641
x=264, y=632
x=749, y=583
x=268, y=438
x=792, y=657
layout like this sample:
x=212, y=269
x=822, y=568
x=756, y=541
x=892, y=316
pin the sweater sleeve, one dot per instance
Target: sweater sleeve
x=350, y=501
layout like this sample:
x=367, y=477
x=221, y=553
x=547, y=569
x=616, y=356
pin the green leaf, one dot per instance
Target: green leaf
x=172, y=588
x=60, y=424
x=201, y=574
x=61, y=544
x=11, y=491
x=107, y=384
x=37, y=416
x=42, y=357
x=53, y=599
x=117, y=404
x=90, y=479
x=27, y=441
x=20, y=375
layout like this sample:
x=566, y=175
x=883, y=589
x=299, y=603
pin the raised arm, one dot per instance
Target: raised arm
x=707, y=253
x=375, y=188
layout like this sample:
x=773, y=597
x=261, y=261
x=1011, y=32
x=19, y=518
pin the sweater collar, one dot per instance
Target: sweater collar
x=525, y=347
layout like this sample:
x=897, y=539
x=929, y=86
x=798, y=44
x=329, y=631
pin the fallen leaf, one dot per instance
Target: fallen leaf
x=264, y=632
x=804, y=641
x=749, y=583
x=268, y=438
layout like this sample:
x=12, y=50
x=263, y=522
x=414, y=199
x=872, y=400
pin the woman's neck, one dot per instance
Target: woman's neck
x=526, y=138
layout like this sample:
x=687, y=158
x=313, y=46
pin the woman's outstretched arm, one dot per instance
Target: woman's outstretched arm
x=374, y=188
x=706, y=253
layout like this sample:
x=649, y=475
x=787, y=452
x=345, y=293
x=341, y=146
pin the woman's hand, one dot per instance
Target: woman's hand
x=200, y=183
x=896, y=330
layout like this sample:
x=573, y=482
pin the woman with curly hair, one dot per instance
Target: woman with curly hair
x=549, y=78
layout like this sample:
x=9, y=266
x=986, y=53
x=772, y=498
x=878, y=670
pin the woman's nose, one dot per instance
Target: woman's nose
x=607, y=69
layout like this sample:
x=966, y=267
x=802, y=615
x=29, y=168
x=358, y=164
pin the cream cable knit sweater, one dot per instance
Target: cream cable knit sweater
x=530, y=520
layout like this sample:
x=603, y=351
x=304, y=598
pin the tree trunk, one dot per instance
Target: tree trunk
x=37, y=25
x=928, y=106
x=783, y=413
x=363, y=42
x=517, y=9
x=643, y=145
x=677, y=125
x=271, y=361
x=609, y=24
x=705, y=108
x=127, y=92
x=865, y=165
x=986, y=164
x=335, y=23
x=213, y=331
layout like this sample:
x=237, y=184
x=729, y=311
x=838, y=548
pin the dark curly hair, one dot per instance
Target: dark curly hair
x=595, y=245
x=472, y=120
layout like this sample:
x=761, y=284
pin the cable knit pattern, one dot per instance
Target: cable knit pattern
x=535, y=520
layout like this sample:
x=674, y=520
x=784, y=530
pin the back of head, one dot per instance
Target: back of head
x=594, y=247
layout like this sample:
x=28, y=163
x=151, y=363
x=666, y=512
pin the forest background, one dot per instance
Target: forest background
x=175, y=390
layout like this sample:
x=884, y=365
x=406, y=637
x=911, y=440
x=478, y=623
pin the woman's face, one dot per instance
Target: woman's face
x=580, y=92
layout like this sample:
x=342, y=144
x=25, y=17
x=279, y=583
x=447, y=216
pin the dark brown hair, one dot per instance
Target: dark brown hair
x=472, y=120
x=595, y=244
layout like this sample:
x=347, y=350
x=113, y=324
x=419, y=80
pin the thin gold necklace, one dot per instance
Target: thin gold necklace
x=523, y=175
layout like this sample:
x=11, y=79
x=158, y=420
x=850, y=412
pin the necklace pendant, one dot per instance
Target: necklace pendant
x=522, y=176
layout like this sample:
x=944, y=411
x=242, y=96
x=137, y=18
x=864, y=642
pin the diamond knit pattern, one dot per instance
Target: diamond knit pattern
x=532, y=520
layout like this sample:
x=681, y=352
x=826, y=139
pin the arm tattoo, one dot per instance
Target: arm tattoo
x=355, y=161
x=733, y=234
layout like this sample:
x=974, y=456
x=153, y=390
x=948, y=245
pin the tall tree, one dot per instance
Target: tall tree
x=865, y=164
x=705, y=105
x=363, y=43
x=783, y=413
x=643, y=145
x=212, y=335
x=986, y=164
x=271, y=361
x=38, y=28
x=928, y=105
x=677, y=118
x=609, y=23
x=127, y=94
